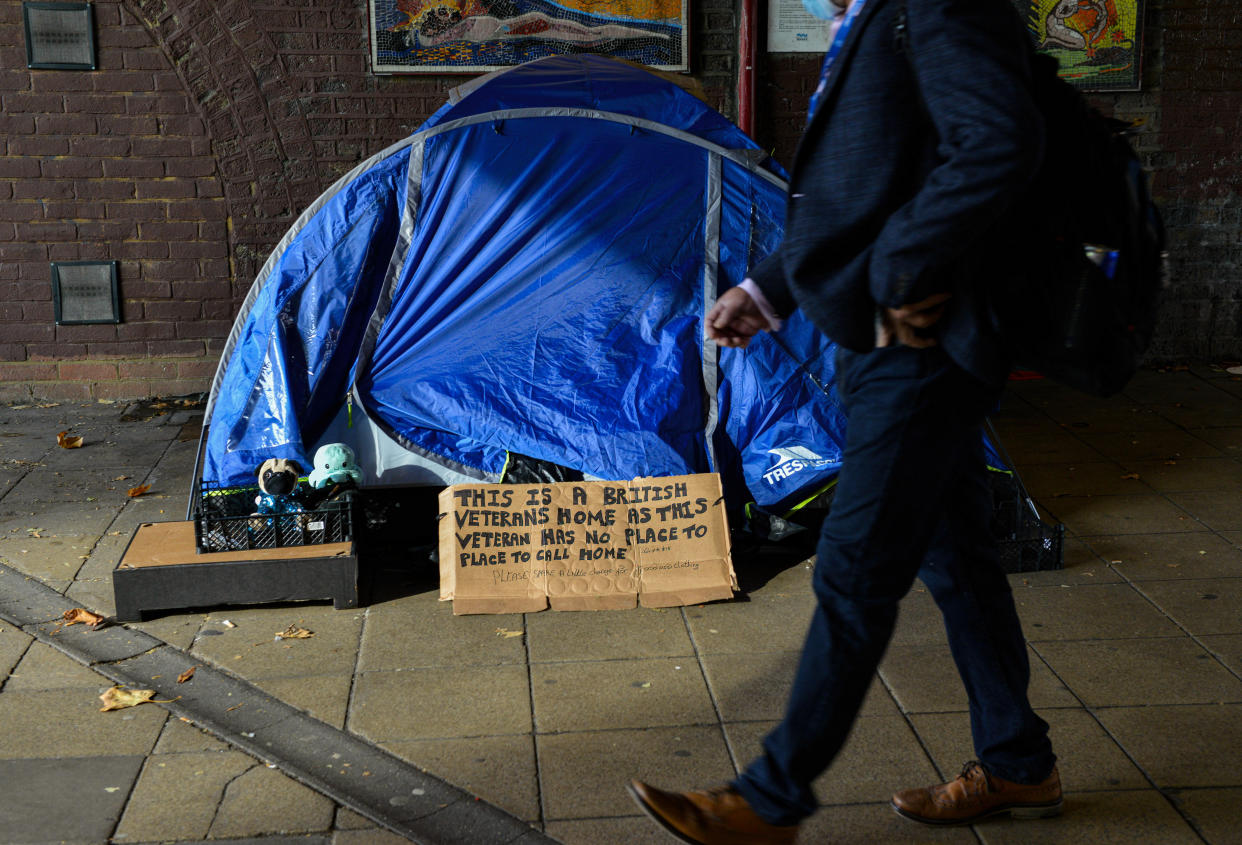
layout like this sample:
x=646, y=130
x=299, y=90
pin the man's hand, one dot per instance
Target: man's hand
x=735, y=319
x=905, y=325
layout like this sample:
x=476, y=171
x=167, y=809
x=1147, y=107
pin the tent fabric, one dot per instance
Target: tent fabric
x=528, y=273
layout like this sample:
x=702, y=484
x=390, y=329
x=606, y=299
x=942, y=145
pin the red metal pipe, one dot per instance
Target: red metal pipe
x=746, y=69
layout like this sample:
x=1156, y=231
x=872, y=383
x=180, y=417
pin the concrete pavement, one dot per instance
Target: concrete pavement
x=1136, y=651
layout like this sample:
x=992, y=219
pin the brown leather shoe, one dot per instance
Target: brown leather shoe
x=718, y=816
x=976, y=795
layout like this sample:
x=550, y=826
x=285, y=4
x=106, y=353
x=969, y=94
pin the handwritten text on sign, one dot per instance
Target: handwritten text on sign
x=580, y=539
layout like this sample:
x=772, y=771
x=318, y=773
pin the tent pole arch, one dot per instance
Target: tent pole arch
x=747, y=158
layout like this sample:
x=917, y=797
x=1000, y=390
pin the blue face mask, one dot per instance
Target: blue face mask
x=825, y=10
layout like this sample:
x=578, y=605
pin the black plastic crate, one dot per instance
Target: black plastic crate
x=225, y=521
x=1025, y=542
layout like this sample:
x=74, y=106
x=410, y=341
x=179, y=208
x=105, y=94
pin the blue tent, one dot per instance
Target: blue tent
x=527, y=275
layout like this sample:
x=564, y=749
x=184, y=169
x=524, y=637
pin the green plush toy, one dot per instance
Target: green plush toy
x=334, y=464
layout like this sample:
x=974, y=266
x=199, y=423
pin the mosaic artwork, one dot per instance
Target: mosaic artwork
x=439, y=36
x=1098, y=43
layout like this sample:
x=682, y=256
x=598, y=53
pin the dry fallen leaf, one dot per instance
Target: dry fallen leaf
x=295, y=633
x=65, y=440
x=506, y=633
x=121, y=478
x=79, y=614
x=1132, y=476
x=186, y=675
x=118, y=698
x=135, y=492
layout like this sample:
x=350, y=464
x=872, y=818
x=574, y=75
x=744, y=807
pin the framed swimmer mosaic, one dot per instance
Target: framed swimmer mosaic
x=1098, y=43
x=469, y=36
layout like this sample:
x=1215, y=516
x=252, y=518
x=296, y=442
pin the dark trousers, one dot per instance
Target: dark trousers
x=912, y=500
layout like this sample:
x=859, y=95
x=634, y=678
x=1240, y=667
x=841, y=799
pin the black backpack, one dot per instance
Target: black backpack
x=1076, y=267
x=1079, y=283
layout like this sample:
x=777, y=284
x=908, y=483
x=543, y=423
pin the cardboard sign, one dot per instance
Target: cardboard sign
x=587, y=545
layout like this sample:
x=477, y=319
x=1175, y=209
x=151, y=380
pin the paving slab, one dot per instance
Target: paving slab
x=1206, y=750
x=1214, y=812
x=58, y=519
x=919, y=620
x=768, y=621
x=619, y=694
x=1201, y=607
x=263, y=801
x=325, y=697
x=1080, y=564
x=441, y=703
x=178, y=795
x=13, y=644
x=1227, y=648
x=89, y=484
x=43, y=668
x=420, y=631
x=1167, y=557
x=499, y=769
x=1165, y=445
x=1092, y=478
x=881, y=755
x=1190, y=475
x=69, y=799
x=49, y=558
x=868, y=824
x=583, y=774
x=64, y=723
x=252, y=648
x=924, y=679
x=1088, y=758
x=1099, y=818
x=1133, y=672
x=638, y=634
x=1090, y=611
x=1215, y=511
x=632, y=830
x=1137, y=513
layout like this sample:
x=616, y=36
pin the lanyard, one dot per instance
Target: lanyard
x=838, y=39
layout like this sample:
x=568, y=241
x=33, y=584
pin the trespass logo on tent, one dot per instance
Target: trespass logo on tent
x=791, y=460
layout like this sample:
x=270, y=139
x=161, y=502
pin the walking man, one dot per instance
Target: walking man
x=920, y=135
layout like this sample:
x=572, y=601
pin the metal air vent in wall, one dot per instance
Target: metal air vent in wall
x=85, y=292
x=59, y=36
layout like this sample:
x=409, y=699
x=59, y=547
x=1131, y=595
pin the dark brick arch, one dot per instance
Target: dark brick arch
x=258, y=133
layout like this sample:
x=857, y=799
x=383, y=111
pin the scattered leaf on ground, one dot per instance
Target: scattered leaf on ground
x=135, y=492
x=65, y=440
x=506, y=633
x=295, y=633
x=121, y=478
x=1130, y=476
x=79, y=614
x=118, y=698
x=186, y=675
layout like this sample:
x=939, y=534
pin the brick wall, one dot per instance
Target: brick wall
x=210, y=125
x=1191, y=100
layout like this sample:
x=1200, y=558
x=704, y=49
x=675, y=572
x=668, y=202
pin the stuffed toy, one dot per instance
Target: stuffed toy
x=334, y=464
x=278, y=484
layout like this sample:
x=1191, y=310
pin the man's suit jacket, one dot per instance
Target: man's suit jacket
x=923, y=137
